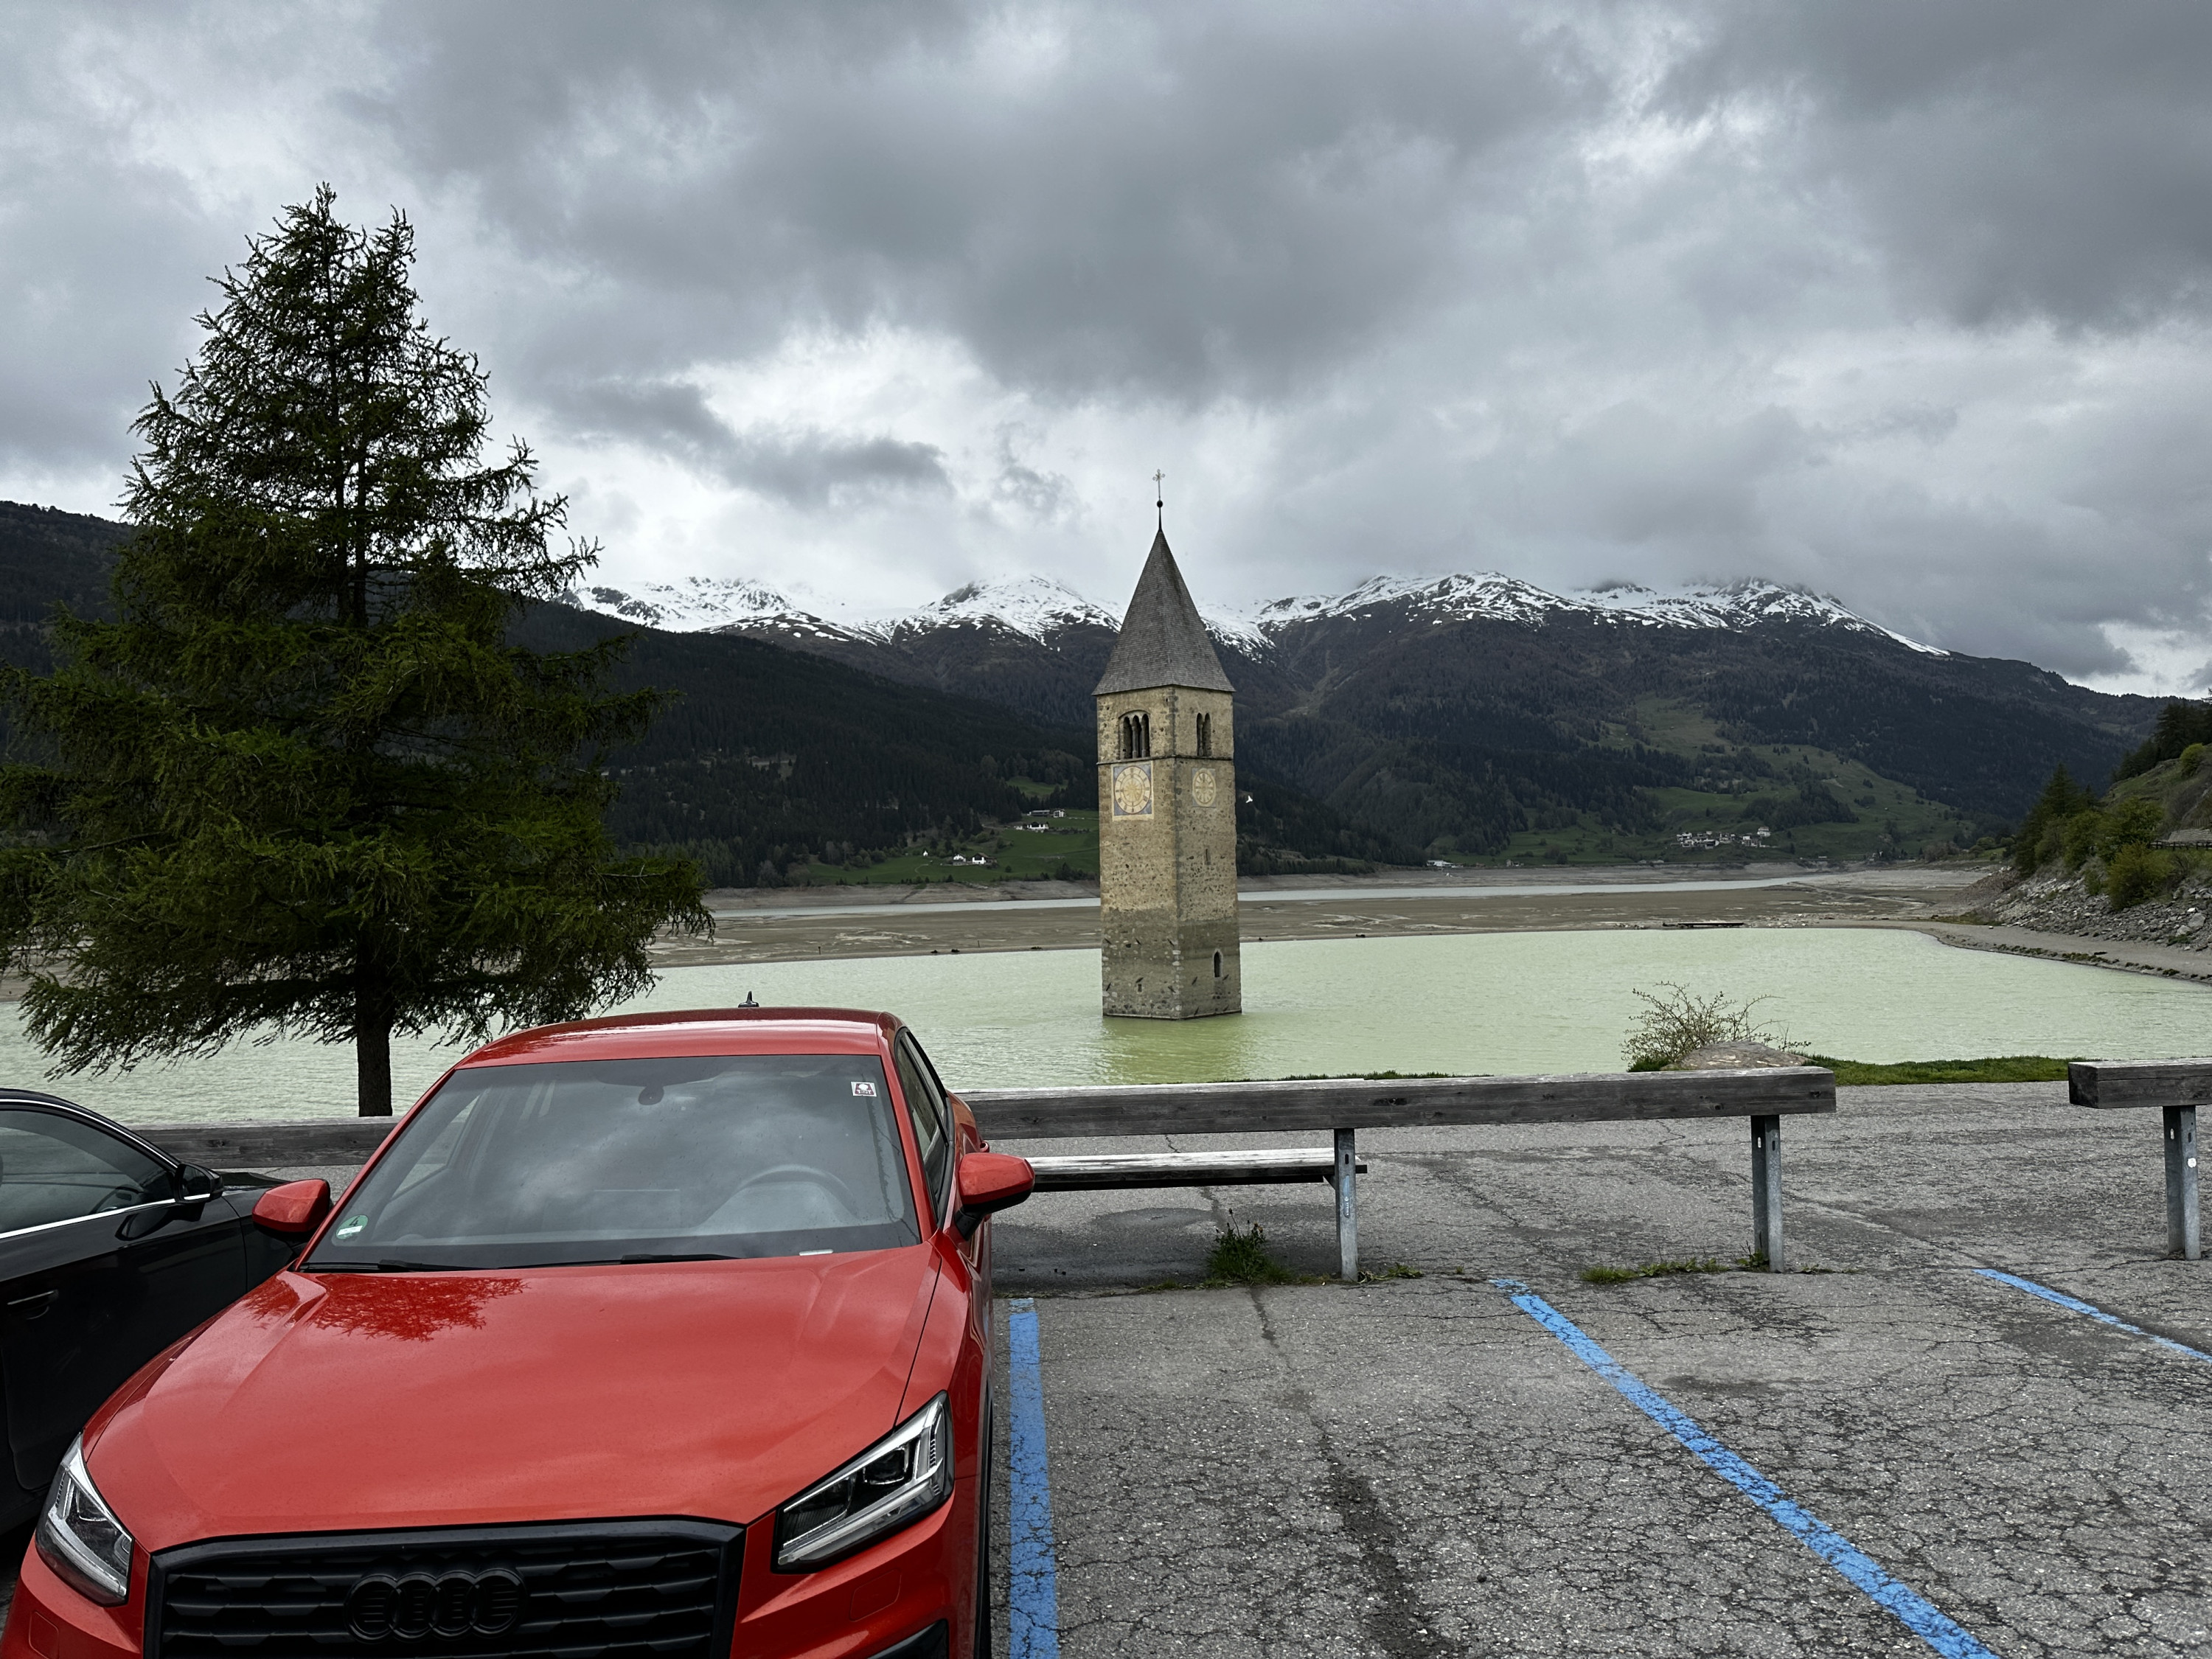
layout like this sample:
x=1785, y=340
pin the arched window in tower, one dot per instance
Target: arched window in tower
x=1136, y=737
x=1205, y=734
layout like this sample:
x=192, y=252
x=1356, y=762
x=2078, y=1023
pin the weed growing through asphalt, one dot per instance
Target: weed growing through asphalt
x=1396, y=1270
x=1239, y=1256
x=1709, y=1264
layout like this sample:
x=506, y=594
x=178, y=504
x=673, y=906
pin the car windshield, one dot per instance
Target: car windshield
x=516, y=1166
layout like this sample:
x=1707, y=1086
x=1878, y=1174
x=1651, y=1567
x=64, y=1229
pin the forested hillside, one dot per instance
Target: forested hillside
x=49, y=557
x=765, y=758
x=1480, y=716
x=1505, y=729
x=1378, y=731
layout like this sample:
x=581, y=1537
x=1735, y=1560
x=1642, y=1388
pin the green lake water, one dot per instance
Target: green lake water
x=1468, y=1003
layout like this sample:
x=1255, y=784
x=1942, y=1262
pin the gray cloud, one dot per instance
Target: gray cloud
x=2010, y=158
x=1906, y=303
x=802, y=467
x=1184, y=201
x=104, y=252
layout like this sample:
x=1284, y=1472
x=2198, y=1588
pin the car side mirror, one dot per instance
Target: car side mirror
x=196, y=1185
x=189, y=1189
x=989, y=1181
x=294, y=1209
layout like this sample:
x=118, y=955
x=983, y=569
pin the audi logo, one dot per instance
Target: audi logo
x=381, y=1607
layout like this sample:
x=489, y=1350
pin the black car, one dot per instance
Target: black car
x=109, y=1251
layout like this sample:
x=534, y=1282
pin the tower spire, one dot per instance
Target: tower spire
x=1160, y=502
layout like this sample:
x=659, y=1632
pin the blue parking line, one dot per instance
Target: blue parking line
x=1033, y=1574
x=1914, y=1611
x=2076, y=1305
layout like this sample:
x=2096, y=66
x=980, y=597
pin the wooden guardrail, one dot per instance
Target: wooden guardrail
x=1346, y=1105
x=2177, y=1088
x=1342, y=1106
x=270, y=1146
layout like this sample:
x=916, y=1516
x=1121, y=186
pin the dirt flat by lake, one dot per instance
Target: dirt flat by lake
x=787, y=925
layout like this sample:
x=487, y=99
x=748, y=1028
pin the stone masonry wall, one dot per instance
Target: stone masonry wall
x=1166, y=874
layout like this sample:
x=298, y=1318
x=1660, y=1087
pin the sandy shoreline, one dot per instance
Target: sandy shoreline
x=780, y=925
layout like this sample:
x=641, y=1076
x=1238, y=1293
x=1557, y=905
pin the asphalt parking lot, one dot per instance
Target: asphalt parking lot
x=1901, y=1453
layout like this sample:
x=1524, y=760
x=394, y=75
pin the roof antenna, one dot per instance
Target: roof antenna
x=1160, y=502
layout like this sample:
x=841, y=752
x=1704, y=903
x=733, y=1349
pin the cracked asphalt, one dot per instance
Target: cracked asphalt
x=1415, y=1466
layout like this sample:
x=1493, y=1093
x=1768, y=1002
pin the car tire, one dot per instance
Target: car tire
x=982, y=1647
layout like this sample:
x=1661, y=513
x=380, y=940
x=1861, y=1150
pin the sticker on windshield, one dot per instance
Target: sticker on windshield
x=350, y=1225
x=868, y=1089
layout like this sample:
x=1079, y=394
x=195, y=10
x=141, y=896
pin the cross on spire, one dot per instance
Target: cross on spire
x=1160, y=502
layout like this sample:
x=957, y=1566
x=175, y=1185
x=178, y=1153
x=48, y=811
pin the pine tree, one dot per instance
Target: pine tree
x=303, y=783
x=2062, y=798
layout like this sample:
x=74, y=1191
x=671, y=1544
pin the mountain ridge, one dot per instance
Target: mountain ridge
x=1478, y=714
x=1037, y=607
x=1458, y=717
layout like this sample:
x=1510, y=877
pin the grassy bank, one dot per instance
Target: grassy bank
x=2009, y=1069
x=1849, y=1073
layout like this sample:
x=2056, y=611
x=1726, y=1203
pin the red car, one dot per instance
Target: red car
x=654, y=1338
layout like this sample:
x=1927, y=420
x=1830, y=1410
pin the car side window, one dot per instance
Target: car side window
x=931, y=1131
x=56, y=1168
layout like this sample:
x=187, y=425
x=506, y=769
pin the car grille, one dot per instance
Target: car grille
x=603, y=1590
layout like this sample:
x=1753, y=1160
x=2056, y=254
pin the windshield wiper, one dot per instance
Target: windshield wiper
x=390, y=1266
x=384, y=1267
x=703, y=1255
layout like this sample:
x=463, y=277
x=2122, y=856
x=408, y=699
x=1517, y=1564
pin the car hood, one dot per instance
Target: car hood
x=350, y=1401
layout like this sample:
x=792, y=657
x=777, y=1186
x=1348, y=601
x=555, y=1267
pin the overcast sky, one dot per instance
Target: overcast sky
x=1903, y=301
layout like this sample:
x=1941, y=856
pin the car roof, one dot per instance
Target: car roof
x=696, y=1032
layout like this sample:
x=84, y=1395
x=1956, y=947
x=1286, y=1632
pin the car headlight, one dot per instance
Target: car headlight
x=896, y=1481
x=79, y=1537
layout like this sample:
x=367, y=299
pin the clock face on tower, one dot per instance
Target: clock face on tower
x=1133, y=790
x=1203, y=788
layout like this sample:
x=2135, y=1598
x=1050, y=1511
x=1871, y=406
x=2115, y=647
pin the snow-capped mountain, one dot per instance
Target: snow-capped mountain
x=1043, y=608
x=1036, y=607
x=1489, y=597
x=694, y=603
x=1465, y=707
x=700, y=605
x=1035, y=645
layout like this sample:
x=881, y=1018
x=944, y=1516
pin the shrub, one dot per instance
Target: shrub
x=2131, y=824
x=2192, y=757
x=1674, y=1022
x=2085, y=834
x=2135, y=874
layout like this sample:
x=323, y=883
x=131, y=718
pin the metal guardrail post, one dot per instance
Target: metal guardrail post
x=2183, y=1238
x=1766, y=1190
x=2177, y=1087
x=1347, y=1211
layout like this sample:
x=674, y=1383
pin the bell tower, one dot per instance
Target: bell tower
x=1167, y=811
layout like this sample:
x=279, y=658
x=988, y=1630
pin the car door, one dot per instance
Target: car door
x=101, y=1266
